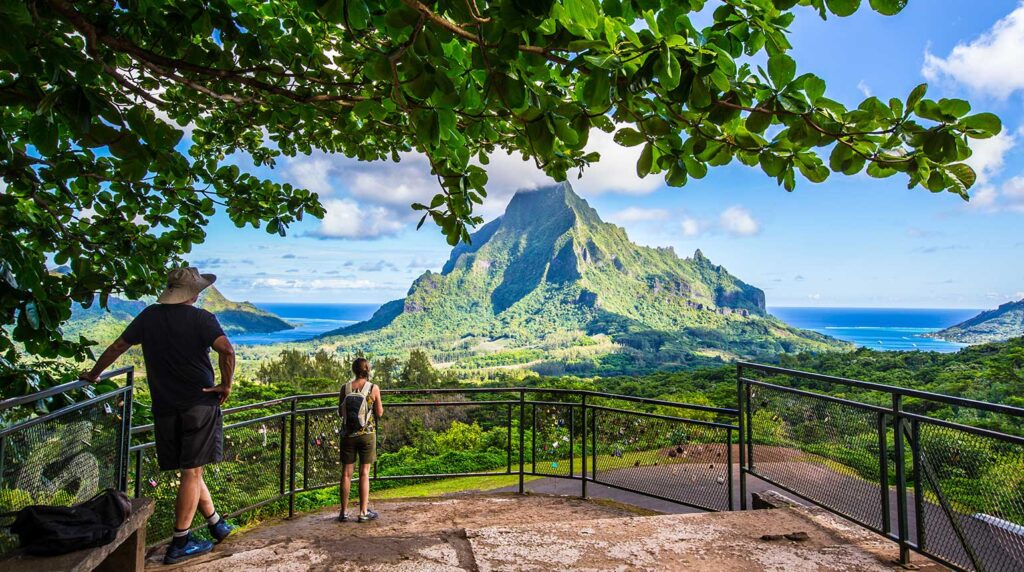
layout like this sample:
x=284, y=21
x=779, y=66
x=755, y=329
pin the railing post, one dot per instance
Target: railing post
x=138, y=473
x=522, y=437
x=583, y=448
x=741, y=424
x=883, y=473
x=901, y=477
x=291, y=463
x=533, y=439
x=305, y=451
x=508, y=469
x=728, y=466
x=126, y=432
x=915, y=455
x=572, y=441
x=750, y=427
x=282, y=460
x=593, y=444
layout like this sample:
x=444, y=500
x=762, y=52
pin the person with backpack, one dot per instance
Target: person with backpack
x=176, y=339
x=359, y=408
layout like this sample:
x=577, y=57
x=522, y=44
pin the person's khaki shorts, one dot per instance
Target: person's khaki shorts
x=362, y=446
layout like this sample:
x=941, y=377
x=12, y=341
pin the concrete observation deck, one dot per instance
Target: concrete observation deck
x=499, y=532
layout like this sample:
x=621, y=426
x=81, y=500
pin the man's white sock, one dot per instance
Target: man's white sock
x=214, y=519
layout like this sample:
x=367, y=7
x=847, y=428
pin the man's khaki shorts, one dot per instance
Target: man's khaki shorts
x=362, y=446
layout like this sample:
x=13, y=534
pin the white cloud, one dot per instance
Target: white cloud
x=317, y=284
x=637, y=214
x=311, y=174
x=1013, y=194
x=385, y=190
x=692, y=227
x=983, y=198
x=738, y=221
x=864, y=88
x=346, y=218
x=991, y=63
x=1008, y=197
x=616, y=171
x=988, y=155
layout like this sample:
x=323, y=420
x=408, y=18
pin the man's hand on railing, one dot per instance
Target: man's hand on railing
x=222, y=391
x=89, y=376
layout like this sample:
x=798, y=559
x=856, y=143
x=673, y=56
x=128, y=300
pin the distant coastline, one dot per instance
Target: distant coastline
x=876, y=328
x=890, y=329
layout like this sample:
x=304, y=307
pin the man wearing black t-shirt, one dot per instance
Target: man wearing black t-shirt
x=176, y=338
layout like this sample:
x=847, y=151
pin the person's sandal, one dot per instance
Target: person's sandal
x=370, y=515
x=342, y=517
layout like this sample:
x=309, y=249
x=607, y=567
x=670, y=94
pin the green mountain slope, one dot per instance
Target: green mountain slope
x=235, y=317
x=240, y=317
x=550, y=280
x=1001, y=324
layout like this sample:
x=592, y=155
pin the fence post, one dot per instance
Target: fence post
x=572, y=441
x=750, y=427
x=915, y=455
x=533, y=439
x=508, y=468
x=901, y=477
x=593, y=444
x=522, y=436
x=883, y=473
x=126, y=432
x=583, y=448
x=305, y=451
x=728, y=467
x=291, y=463
x=282, y=460
x=138, y=473
x=742, y=440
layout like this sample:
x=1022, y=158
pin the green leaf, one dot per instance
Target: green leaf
x=916, y=95
x=814, y=87
x=843, y=8
x=964, y=173
x=668, y=70
x=643, y=164
x=954, y=107
x=628, y=137
x=582, y=12
x=43, y=134
x=984, y=124
x=888, y=7
x=700, y=97
x=781, y=69
x=358, y=14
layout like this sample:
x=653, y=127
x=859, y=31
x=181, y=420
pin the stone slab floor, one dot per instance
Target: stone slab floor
x=544, y=533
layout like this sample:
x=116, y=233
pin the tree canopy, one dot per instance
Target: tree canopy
x=97, y=95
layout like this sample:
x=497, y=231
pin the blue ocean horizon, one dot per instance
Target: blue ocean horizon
x=889, y=329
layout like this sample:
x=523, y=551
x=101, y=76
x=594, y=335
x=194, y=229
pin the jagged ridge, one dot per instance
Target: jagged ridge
x=550, y=272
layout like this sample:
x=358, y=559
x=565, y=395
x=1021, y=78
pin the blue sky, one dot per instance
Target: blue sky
x=851, y=241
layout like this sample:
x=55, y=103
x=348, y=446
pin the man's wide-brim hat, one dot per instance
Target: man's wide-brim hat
x=183, y=284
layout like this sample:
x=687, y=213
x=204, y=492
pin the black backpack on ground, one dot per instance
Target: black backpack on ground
x=52, y=530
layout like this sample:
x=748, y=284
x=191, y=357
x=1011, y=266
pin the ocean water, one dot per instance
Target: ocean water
x=892, y=329
x=310, y=320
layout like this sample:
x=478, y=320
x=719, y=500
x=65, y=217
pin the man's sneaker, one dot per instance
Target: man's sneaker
x=370, y=515
x=194, y=547
x=220, y=531
x=343, y=517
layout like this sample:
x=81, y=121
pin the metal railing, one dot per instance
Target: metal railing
x=277, y=450
x=951, y=491
x=879, y=455
x=65, y=456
